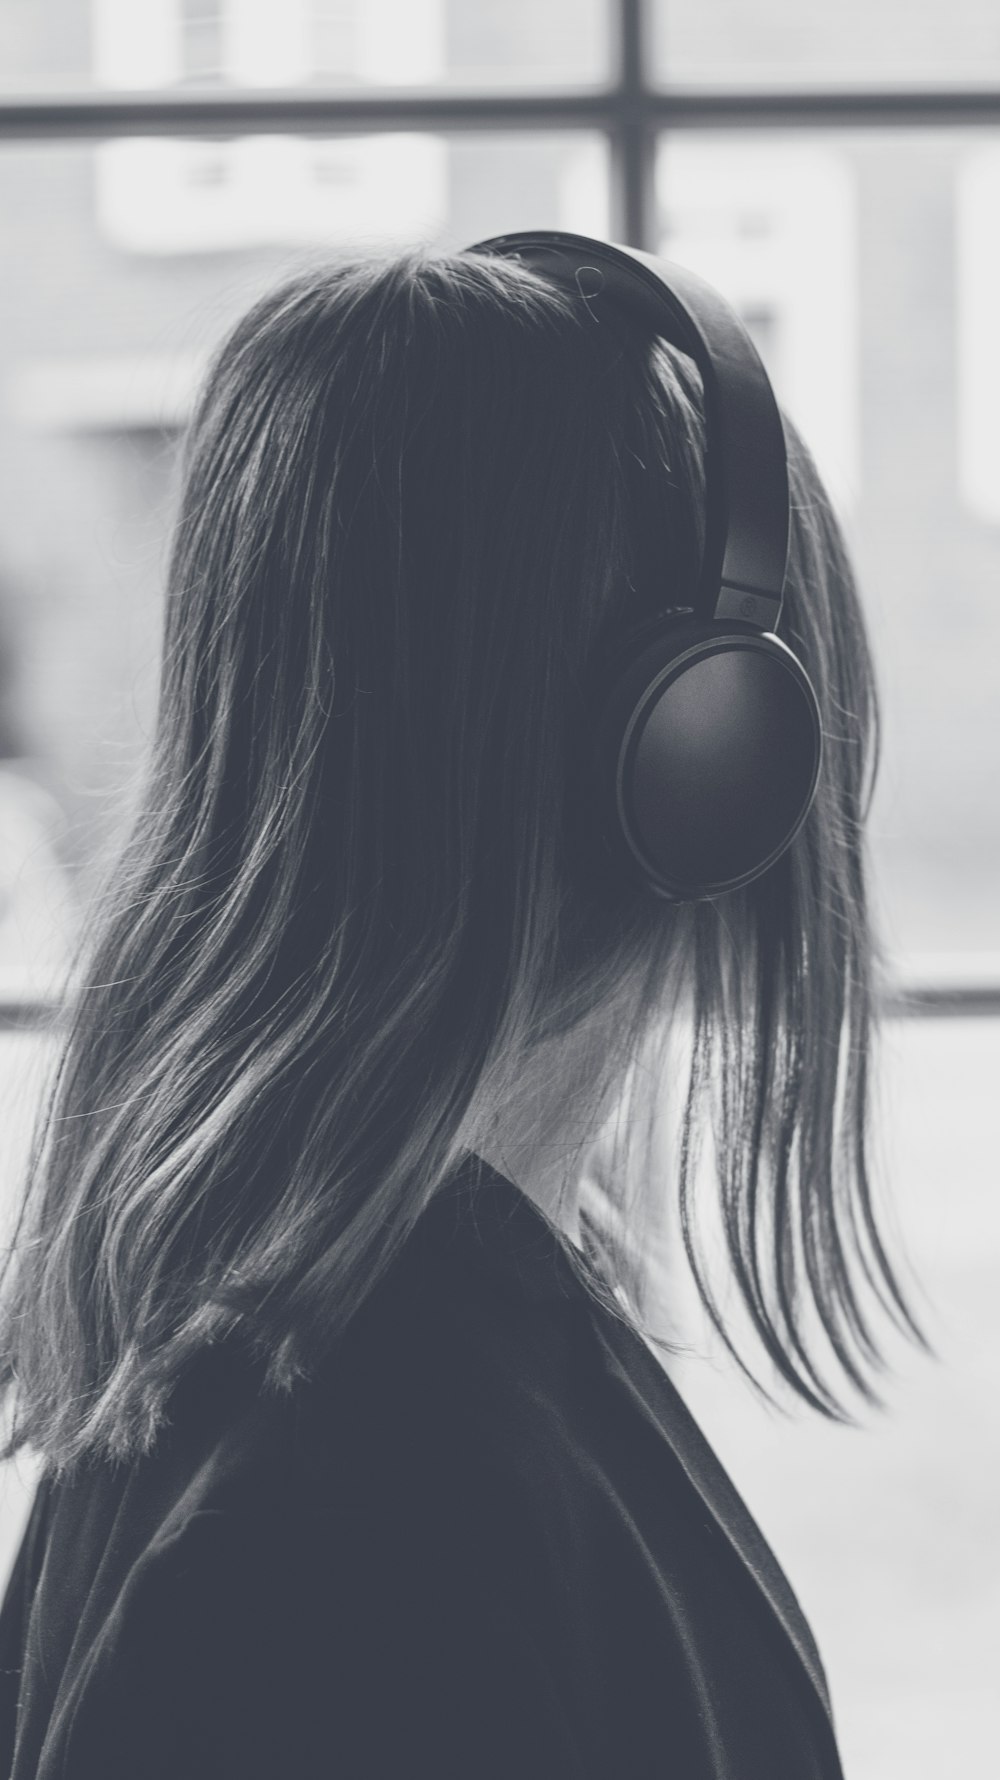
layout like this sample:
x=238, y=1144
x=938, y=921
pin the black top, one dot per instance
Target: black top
x=487, y=1541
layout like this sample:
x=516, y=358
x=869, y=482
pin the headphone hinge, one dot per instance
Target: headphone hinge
x=748, y=605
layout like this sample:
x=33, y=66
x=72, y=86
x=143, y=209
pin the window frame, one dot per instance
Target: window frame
x=630, y=110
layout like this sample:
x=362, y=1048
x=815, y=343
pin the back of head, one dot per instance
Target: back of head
x=361, y=883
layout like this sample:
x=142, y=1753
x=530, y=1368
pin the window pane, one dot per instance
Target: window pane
x=784, y=42
x=198, y=43
x=867, y=267
x=124, y=264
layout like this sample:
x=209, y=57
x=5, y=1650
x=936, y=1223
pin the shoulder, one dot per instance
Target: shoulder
x=236, y=1658
x=400, y=1484
x=346, y=1580
x=436, y=1414
x=280, y=1566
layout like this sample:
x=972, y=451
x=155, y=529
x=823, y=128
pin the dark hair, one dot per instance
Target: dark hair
x=419, y=493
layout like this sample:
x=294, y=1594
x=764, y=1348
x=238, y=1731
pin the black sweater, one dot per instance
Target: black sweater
x=487, y=1540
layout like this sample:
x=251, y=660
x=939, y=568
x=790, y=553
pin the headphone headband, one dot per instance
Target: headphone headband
x=746, y=537
x=701, y=741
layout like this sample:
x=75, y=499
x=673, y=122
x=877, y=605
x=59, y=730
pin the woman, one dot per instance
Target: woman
x=356, y=1457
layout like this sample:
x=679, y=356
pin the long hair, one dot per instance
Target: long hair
x=354, y=895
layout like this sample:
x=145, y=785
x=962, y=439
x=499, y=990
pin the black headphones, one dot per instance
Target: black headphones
x=706, y=730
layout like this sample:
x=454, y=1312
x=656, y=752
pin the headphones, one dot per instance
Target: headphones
x=706, y=729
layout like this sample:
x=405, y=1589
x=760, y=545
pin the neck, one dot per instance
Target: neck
x=550, y=1120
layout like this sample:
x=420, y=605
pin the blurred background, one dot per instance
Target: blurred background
x=836, y=172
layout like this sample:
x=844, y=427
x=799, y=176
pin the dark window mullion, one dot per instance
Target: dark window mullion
x=632, y=138
x=631, y=118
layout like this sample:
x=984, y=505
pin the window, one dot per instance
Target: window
x=977, y=258
x=166, y=196
x=775, y=228
x=252, y=43
x=200, y=40
x=774, y=44
x=163, y=162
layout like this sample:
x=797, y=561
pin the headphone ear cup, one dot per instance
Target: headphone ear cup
x=707, y=749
